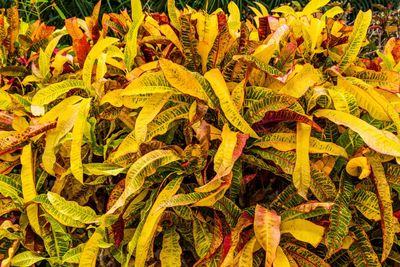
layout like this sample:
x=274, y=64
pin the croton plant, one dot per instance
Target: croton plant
x=198, y=139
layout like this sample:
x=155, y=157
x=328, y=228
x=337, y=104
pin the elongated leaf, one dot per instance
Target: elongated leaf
x=246, y=255
x=102, y=169
x=303, y=256
x=10, y=188
x=26, y=259
x=267, y=230
x=171, y=250
x=152, y=220
x=29, y=187
x=150, y=110
x=142, y=168
x=287, y=141
x=385, y=205
x=94, y=53
x=73, y=255
x=388, y=80
x=303, y=230
x=173, y=14
x=361, y=25
x=220, y=88
x=301, y=172
x=72, y=209
x=183, y=80
x=91, y=249
x=53, y=91
x=56, y=214
x=361, y=251
x=383, y=142
x=281, y=259
x=202, y=238
x=189, y=42
x=367, y=203
x=77, y=137
x=131, y=47
x=162, y=122
x=137, y=11
x=13, y=140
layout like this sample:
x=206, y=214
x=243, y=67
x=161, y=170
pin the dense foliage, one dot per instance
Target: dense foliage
x=198, y=138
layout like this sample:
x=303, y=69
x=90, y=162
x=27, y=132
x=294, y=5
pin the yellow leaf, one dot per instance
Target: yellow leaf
x=246, y=254
x=171, y=35
x=313, y=6
x=91, y=249
x=303, y=230
x=172, y=14
x=281, y=260
x=267, y=230
x=381, y=141
x=137, y=11
x=131, y=46
x=234, y=19
x=183, y=80
x=29, y=188
x=223, y=160
x=301, y=173
x=171, y=251
x=220, y=88
x=359, y=167
x=301, y=81
x=77, y=137
x=92, y=56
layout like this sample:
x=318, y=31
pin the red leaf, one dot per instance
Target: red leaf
x=264, y=29
x=79, y=42
x=240, y=143
x=118, y=231
x=285, y=115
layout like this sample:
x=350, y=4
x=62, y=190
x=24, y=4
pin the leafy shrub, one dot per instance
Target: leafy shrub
x=200, y=139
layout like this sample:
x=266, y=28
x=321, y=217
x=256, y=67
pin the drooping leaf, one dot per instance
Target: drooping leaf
x=91, y=249
x=383, y=142
x=171, y=250
x=361, y=251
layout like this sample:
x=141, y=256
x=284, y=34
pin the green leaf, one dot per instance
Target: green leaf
x=171, y=251
x=385, y=205
x=56, y=214
x=73, y=255
x=381, y=141
x=27, y=258
x=53, y=91
x=72, y=209
x=303, y=256
x=147, y=234
x=361, y=251
x=10, y=188
x=367, y=203
x=202, y=237
x=131, y=46
x=142, y=168
x=356, y=38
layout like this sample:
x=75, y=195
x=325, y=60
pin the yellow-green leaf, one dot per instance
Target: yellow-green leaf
x=172, y=14
x=367, y=203
x=223, y=160
x=26, y=258
x=72, y=209
x=91, y=249
x=152, y=220
x=381, y=141
x=303, y=230
x=220, y=88
x=171, y=251
x=142, y=168
x=383, y=193
x=246, y=254
x=131, y=46
x=356, y=38
x=267, y=230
